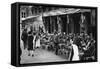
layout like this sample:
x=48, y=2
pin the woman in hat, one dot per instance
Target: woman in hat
x=30, y=43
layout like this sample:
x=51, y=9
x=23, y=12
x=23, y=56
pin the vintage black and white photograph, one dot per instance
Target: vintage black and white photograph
x=57, y=34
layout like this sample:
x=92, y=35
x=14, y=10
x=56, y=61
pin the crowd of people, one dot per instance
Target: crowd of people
x=31, y=40
x=74, y=47
x=81, y=44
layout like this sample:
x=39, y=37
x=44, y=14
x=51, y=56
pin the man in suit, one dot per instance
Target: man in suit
x=24, y=38
x=56, y=45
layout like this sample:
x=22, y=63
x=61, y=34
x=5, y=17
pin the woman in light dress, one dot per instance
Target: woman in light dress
x=36, y=41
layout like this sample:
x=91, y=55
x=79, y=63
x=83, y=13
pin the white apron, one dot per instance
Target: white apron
x=76, y=53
